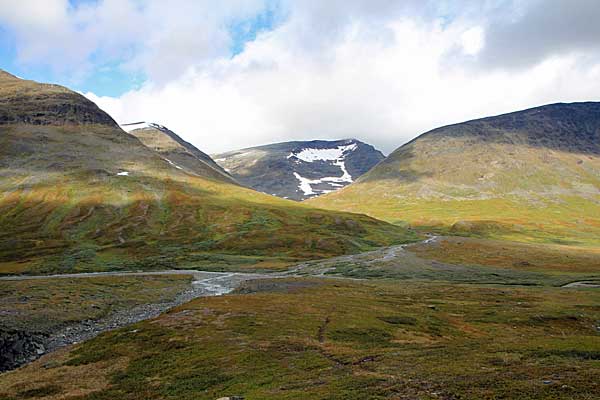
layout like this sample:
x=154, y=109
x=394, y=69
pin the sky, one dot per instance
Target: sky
x=238, y=73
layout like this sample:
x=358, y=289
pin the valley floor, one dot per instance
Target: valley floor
x=448, y=318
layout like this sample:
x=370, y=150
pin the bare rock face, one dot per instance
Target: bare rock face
x=28, y=102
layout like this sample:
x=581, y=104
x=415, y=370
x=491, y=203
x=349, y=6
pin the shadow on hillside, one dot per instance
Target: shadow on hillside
x=573, y=128
x=396, y=169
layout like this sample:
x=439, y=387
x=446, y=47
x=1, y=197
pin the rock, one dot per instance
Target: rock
x=19, y=347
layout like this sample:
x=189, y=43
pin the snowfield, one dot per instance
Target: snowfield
x=334, y=155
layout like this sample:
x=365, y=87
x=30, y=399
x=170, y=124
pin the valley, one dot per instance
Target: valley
x=133, y=265
x=78, y=194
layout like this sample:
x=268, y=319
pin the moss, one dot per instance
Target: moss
x=47, y=390
x=399, y=320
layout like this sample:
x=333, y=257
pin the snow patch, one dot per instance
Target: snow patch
x=123, y=173
x=305, y=184
x=141, y=125
x=172, y=163
x=335, y=155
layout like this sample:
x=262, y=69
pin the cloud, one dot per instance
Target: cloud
x=159, y=38
x=541, y=29
x=382, y=71
x=384, y=78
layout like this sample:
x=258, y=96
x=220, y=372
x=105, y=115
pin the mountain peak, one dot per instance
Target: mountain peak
x=558, y=126
x=29, y=102
x=5, y=75
x=301, y=169
x=540, y=165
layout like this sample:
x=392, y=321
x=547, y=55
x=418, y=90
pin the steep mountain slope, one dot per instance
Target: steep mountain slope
x=78, y=193
x=300, y=170
x=532, y=173
x=28, y=102
x=176, y=151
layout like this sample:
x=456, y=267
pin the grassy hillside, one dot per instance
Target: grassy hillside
x=528, y=175
x=78, y=193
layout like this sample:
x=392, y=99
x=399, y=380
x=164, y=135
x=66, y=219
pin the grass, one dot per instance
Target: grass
x=331, y=339
x=511, y=255
x=44, y=305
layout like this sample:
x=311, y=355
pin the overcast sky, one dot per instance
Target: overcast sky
x=227, y=74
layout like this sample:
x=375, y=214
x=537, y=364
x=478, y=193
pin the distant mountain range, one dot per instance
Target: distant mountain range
x=534, y=172
x=301, y=169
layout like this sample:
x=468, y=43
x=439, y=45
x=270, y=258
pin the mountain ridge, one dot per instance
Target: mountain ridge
x=30, y=102
x=176, y=151
x=527, y=173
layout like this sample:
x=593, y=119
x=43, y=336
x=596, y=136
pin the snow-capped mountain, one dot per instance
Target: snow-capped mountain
x=300, y=170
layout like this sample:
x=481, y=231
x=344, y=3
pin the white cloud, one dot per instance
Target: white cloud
x=382, y=71
x=157, y=37
x=381, y=89
x=472, y=40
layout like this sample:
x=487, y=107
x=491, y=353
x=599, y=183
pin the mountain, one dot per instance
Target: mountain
x=78, y=193
x=300, y=170
x=176, y=151
x=28, y=102
x=532, y=174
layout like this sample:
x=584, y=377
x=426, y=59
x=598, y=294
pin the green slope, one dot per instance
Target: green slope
x=528, y=175
x=78, y=193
